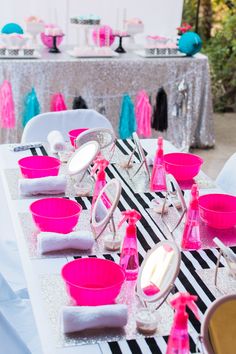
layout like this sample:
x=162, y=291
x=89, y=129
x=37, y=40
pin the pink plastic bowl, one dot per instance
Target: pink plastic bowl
x=93, y=281
x=73, y=134
x=55, y=214
x=218, y=210
x=39, y=166
x=182, y=166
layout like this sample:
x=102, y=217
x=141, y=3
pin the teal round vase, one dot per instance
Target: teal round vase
x=190, y=43
x=12, y=28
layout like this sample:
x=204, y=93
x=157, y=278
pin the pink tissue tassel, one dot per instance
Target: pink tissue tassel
x=57, y=103
x=7, y=108
x=143, y=112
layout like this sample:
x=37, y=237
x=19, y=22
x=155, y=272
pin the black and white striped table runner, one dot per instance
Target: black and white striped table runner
x=149, y=234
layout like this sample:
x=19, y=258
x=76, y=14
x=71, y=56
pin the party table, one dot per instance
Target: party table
x=103, y=81
x=42, y=272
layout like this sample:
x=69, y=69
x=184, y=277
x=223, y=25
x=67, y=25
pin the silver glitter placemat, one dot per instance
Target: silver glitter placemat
x=226, y=284
x=30, y=233
x=141, y=184
x=207, y=234
x=138, y=183
x=13, y=176
x=55, y=297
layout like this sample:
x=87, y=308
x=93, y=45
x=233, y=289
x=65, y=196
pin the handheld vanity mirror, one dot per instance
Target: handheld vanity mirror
x=175, y=198
x=219, y=327
x=81, y=160
x=156, y=280
x=141, y=155
x=103, y=214
x=104, y=137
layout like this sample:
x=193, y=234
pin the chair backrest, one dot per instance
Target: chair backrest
x=218, y=326
x=38, y=128
x=226, y=179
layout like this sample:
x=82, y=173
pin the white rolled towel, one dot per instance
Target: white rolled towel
x=56, y=141
x=50, y=241
x=43, y=185
x=78, y=318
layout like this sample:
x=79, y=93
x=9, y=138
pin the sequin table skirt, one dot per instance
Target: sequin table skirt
x=102, y=82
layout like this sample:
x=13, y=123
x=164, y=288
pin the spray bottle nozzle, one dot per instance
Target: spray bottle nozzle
x=194, y=190
x=100, y=164
x=131, y=215
x=180, y=300
x=160, y=141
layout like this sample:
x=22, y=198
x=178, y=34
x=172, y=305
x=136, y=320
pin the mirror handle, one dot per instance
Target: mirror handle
x=166, y=296
x=199, y=345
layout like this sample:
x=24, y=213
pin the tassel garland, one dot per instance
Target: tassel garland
x=7, y=107
x=160, y=113
x=57, y=103
x=31, y=107
x=127, y=118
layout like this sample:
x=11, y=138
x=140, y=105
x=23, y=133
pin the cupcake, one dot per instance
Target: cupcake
x=150, y=51
x=28, y=51
x=173, y=49
x=13, y=51
x=2, y=51
x=74, y=20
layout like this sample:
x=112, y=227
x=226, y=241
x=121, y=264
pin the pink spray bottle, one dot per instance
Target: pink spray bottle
x=158, y=180
x=100, y=165
x=178, y=342
x=191, y=235
x=129, y=253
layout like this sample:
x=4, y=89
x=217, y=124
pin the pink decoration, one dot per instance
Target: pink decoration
x=143, y=113
x=184, y=28
x=7, y=113
x=103, y=36
x=48, y=40
x=57, y=103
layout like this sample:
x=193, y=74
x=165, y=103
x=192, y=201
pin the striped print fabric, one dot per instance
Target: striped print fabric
x=149, y=234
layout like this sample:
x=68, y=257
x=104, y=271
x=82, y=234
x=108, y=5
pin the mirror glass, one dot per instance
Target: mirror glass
x=106, y=203
x=222, y=327
x=104, y=137
x=158, y=272
x=82, y=158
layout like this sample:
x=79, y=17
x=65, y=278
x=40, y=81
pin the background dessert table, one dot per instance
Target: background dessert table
x=103, y=81
x=196, y=271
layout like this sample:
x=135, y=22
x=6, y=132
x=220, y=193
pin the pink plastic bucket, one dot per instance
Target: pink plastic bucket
x=39, y=166
x=55, y=214
x=218, y=210
x=93, y=281
x=73, y=134
x=182, y=166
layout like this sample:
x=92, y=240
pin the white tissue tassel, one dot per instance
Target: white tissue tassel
x=43, y=185
x=50, y=241
x=56, y=141
x=78, y=318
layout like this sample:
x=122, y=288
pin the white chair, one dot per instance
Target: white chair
x=18, y=333
x=226, y=179
x=38, y=128
x=218, y=327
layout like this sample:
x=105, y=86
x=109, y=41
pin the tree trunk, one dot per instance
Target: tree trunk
x=206, y=19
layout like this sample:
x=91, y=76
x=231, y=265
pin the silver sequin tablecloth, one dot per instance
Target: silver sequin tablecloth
x=102, y=82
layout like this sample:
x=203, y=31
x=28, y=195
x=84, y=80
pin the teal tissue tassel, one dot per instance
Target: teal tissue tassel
x=127, y=118
x=31, y=107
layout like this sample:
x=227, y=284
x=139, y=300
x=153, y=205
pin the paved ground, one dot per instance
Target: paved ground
x=225, y=130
